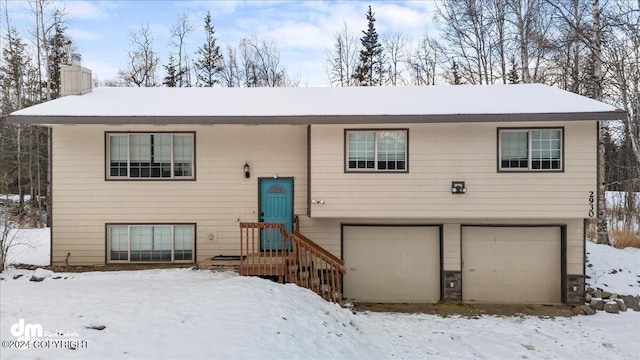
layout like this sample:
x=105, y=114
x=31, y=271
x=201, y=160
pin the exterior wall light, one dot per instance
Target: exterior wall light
x=458, y=187
x=247, y=170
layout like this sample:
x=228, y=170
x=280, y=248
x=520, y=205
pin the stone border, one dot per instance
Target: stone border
x=600, y=300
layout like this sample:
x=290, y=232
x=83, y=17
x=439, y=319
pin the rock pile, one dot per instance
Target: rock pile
x=600, y=300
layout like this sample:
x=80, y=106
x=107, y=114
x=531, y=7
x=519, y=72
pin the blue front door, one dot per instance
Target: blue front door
x=276, y=206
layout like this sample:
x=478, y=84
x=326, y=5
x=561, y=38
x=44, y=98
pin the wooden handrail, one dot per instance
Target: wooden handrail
x=336, y=261
x=294, y=258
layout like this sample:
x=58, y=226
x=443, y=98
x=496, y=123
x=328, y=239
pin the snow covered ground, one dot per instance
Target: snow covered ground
x=29, y=246
x=613, y=270
x=182, y=313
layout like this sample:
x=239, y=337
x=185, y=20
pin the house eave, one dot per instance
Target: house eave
x=313, y=119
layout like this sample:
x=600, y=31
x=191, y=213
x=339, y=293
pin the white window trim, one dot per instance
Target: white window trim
x=128, y=177
x=529, y=167
x=375, y=152
x=173, y=243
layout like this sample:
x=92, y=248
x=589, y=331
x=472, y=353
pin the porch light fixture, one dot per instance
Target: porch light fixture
x=458, y=187
x=247, y=170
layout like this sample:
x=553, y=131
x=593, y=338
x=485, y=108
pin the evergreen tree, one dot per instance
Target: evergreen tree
x=59, y=46
x=455, y=74
x=172, y=73
x=12, y=72
x=209, y=63
x=369, y=71
x=513, y=77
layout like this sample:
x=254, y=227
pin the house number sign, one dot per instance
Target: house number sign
x=592, y=207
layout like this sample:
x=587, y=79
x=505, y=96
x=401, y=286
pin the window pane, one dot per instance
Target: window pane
x=545, y=149
x=140, y=147
x=140, y=155
x=392, y=149
x=160, y=155
x=361, y=149
x=183, y=242
x=118, y=243
x=141, y=243
x=513, y=149
x=183, y=155
x=161, y=250
x=118, y=148
x=161, y=148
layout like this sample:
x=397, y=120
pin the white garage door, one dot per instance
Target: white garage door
x=511, y=264
x=392, y=264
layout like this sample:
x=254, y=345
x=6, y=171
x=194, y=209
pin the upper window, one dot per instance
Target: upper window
x=376, y=150
x=530, y=149
x=150, y=156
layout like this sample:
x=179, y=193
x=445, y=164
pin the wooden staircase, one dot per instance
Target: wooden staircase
x=267, y=249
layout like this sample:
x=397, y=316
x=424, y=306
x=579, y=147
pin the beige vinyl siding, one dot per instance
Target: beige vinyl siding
x=217, y=201
x=575, y=246
x=451, y=247
x=220, y=197
x=441, y=153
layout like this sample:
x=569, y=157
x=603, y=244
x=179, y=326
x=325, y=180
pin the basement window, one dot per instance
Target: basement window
x=530, y=149
x=150, y=156
x=150, y=243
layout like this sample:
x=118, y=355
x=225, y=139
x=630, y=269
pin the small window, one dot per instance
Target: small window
x=530, y=149
x=376, y=150
x=150, y=243
x=150, y=156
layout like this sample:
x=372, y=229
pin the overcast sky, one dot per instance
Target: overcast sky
x=303, y=31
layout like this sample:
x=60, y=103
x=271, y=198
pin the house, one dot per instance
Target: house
x=436, y=193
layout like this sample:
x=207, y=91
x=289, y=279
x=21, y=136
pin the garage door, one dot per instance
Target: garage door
x=511, y=264
x=392, y=264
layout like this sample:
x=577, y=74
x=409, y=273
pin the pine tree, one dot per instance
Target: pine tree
x=455, y=74
x=59, y=45
x=369, y=71
x=172, y=73
x=209, y=63
x=513, y=77
x=12, y=72
x=12, y=80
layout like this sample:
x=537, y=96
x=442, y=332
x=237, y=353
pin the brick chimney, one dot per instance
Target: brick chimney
x=75, y=79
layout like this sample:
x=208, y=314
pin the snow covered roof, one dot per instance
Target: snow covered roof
x=304, y=105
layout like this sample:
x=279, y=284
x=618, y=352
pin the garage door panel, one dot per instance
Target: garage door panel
x=511, y=264
x=390, y=264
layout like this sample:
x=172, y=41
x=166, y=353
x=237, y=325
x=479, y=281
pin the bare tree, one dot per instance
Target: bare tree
x=467, y=26
x=621, y=56
x=38, y=9
x=572, y=45
x=8, y=236
x=423, y=61
x=394, y=46
x=143, y=60
x=530, y=20
x=179, y=32
x=230, y=72
x=260, y=64
x=342, y=61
